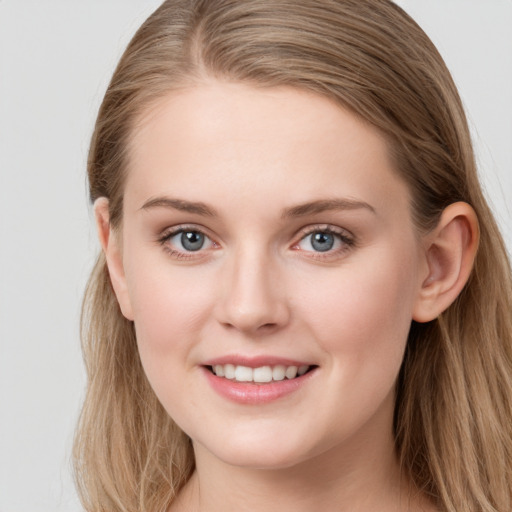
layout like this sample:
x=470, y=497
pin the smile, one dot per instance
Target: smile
x=257, y=380
x=259, y=375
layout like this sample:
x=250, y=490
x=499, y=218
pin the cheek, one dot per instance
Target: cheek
x=363, y=313
x=170, y=309
x=170, y=306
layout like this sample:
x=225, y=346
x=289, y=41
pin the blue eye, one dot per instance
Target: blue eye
x=182, y=241
x=191, y=240
x=323, y=241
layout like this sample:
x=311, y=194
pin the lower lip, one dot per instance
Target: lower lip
x=250, y=393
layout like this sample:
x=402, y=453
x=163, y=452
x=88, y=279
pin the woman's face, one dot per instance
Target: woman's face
x=266, y=234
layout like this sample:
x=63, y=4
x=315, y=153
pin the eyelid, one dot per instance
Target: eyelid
x=347, y=239
x=324, y=228
x=170, y=232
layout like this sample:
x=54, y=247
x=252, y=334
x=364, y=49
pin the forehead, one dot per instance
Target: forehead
x=220, y=139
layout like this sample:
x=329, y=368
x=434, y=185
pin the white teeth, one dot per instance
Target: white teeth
x=278, y=372
x=291, y=372
x=261, y=374
x=229, y=371
x=243, y=374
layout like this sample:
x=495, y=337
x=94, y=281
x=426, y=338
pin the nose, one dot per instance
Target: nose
x=254, y=298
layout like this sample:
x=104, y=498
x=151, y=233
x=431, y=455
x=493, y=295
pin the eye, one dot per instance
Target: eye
x=189, y=240
x=321, y=242
x=182, y=242
x=325, y=240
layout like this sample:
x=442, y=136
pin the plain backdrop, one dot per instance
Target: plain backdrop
x=56, y=57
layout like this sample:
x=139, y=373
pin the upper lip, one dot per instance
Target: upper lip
x=255, y=361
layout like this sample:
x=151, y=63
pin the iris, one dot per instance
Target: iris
x=322, y=242
x=192, y=240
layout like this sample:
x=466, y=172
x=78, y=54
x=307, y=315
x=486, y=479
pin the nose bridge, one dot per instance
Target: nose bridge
x=254, y=299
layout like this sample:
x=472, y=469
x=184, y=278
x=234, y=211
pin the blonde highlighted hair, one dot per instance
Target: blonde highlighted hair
x=453, y=413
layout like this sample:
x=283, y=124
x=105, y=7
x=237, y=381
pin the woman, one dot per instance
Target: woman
x=303, y=297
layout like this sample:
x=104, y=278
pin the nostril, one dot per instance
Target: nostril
x=251, y=328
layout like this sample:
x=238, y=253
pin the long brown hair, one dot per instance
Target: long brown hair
x=453, y=414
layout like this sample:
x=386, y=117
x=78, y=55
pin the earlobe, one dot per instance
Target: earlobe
x=110, y=244
x=450, y=251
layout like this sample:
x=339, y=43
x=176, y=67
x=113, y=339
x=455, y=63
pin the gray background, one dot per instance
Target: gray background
x=56, y=57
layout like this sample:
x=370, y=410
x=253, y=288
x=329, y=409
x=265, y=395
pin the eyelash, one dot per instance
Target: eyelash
x=347, y=241
x=178, y=254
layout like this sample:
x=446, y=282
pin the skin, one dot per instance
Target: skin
x=258, y=288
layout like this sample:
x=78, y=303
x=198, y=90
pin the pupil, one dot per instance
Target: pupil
x=322, y=242
x=192, y=241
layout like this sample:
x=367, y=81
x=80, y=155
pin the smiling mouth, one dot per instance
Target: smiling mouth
x=261, y=374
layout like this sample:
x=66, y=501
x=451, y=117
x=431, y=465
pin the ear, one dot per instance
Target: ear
x=110, y=243
x=450, y=251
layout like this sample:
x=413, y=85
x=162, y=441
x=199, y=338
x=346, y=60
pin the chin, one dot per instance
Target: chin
x=271, y=451
x=261, y=459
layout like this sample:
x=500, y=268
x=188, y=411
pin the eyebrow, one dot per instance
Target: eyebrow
x=301, y=210
x=180, y=204
x=324, y=205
